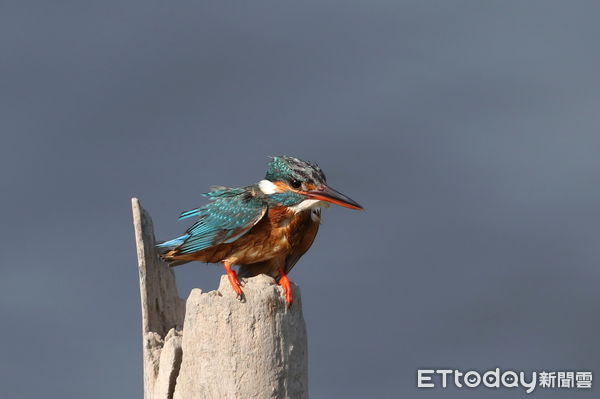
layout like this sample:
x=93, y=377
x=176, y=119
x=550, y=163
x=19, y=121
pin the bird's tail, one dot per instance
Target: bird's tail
x=173, y=243
x=168, y=251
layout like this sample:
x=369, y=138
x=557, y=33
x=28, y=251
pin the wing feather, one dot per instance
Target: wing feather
x=232, y=214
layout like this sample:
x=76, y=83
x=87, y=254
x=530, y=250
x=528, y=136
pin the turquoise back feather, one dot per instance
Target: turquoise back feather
x=232, y=213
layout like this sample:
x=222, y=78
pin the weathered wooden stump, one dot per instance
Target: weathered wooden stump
x=213, y=345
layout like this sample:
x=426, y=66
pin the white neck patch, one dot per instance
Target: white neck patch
x=267, y=187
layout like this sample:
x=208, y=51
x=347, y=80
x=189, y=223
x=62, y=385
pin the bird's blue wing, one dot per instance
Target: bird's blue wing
x=216, y=192
x=224, y=220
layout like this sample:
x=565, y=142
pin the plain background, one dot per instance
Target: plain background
x=469, y=130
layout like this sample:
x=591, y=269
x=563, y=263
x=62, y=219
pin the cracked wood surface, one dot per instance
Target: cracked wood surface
x=162, y=308
x=215, y=346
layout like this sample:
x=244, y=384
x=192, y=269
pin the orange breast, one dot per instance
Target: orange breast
x=301, y=234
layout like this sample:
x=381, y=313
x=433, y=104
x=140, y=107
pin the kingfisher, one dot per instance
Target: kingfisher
x=262, y=228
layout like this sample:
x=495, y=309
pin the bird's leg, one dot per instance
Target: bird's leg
x=285, y=283
x=233, y=280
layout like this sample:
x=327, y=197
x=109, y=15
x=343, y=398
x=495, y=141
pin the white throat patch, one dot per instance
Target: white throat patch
x=307, y=204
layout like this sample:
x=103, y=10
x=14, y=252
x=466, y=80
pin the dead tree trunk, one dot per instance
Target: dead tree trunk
x=214, y=346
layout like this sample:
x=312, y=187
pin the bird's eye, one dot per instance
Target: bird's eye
x=296, y=183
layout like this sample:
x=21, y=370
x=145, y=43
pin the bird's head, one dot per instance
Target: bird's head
x=300, y=185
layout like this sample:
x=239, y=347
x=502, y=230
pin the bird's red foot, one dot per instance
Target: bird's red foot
x=286, y=284
x=233, y=280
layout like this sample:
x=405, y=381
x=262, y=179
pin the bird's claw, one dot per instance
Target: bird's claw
x=286, y=284
x=234, y=282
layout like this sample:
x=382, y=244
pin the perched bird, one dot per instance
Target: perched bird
x=262, y=228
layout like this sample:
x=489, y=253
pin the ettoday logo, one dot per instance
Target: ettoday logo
x=429, y=378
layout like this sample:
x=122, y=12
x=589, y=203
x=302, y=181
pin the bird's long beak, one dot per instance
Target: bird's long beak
x=328, y=194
